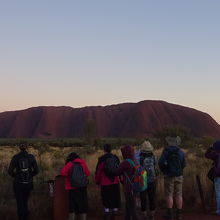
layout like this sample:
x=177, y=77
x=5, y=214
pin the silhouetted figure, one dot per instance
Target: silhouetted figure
x=127, y=172
x=149, y=162
x=23, y=167
x=172, y=163
x=76, y=172
x=109, y=183
x=213, y=153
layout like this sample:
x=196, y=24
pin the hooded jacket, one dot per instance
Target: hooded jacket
x=100, y=176
x=164, y=157
x=65, y=171
x=125, y=168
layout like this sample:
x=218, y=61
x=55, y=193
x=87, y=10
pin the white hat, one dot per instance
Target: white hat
x=146, y=146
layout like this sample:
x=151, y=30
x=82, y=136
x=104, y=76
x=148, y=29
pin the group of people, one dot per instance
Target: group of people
x=110, y=172
x=171, y=163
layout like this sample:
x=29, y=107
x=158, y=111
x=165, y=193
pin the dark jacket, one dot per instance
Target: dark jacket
x=214, y=154
x=13, y=169
x=164, y=157
x=125, y=168
x=100, y=177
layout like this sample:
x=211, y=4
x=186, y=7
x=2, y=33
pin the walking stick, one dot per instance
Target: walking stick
x=201, y=193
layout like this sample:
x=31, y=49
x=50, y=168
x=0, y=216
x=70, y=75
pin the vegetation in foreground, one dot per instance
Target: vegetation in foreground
x=51, y=158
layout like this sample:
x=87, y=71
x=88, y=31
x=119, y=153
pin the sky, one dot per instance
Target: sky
x=82, y=53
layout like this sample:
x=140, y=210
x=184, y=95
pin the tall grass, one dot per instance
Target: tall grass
x=52, y=160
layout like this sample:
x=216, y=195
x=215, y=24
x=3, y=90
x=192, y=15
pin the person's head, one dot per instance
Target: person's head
x=71, y=157
x=107, y=148
x=23, y=146
x=146, y=146
x=173, y=141
x=127, y=152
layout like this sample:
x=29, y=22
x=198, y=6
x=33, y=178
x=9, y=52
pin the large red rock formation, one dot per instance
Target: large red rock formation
x=123, y=120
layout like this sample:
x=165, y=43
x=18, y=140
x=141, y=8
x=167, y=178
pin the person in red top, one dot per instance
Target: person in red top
x=110, y=187
x=78, y=200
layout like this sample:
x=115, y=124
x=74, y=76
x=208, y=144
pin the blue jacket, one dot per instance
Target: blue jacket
x=164, y=157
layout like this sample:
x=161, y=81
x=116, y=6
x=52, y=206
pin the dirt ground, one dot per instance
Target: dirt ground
x=159, y=216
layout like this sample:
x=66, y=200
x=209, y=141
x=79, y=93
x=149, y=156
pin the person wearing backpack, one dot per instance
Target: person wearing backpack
x=76, y=172
x=213, y=153
x=23, y=167
x=149, y=162
x=128, y=170
x=172, y=162
x=109, y=183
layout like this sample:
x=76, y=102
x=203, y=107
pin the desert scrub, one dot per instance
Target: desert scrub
x=52, y=159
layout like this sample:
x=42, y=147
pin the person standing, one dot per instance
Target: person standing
x=109, y=183
x=127, y=171
x=76, y=172
x=23, y=167
x=172, y=162
x=213, y=153
x=149, y=162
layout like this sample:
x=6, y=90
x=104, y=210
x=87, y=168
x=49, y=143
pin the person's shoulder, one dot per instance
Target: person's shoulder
x=114, y=155
x=181, y=150
x=31, y=156
x=15, y=157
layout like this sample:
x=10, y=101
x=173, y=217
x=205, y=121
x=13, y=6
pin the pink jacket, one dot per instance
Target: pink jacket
x=100, y=177
x=65, y=171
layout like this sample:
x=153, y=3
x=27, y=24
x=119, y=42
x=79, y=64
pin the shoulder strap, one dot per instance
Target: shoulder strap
x=131, y=162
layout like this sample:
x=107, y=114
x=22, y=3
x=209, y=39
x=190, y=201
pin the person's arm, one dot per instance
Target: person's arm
x=121, y=169
x=162, y=161
x=118, y=161
x=65, y=170
x=141, y=159
x=156, y=166
x=210, y=153
x=98, y=173
x=183, y=161
x=11, y=169
x=35, y=168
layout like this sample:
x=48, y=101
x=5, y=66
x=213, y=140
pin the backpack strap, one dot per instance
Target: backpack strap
x=131, y=162
x=133, y=165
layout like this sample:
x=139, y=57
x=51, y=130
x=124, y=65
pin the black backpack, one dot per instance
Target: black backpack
x=111, y=163
x=174, y=164
x=77, y=176
x=23, y=171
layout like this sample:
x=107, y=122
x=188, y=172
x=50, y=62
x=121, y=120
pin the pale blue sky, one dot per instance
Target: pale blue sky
x=80, y=53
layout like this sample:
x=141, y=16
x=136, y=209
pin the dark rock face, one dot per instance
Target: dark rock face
x=123, y=120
